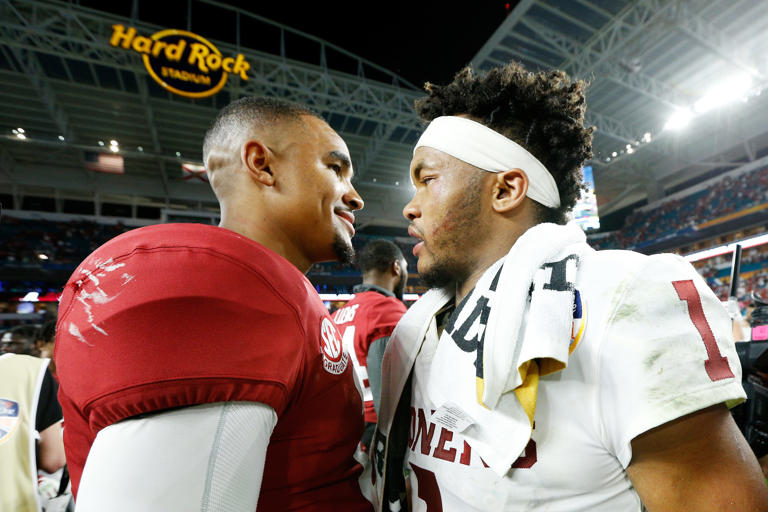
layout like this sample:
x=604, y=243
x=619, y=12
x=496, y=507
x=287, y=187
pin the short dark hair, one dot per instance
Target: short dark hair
x=543, y=112
x=378, y=255
x=28, y=332
x=47, y=331
x=249, y=110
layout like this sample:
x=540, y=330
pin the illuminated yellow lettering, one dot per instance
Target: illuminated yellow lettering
x=198, y=52
x=241, y=66
x=159, y=45
x=174, y=51
x=142, y=44
x=121, y=37
x=227, y=64
x=164, y=71
x=213, y=61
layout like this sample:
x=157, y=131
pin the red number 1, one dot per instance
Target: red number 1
x=716, y=364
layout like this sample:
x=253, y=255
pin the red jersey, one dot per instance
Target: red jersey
x=370, y=315
x=177, y=315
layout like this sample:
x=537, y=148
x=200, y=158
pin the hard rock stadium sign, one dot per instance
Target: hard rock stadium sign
x=180, y=61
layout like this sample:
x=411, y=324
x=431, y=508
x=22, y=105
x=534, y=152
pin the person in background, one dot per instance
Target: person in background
x=19, y=340
x=45, y=341
x=30, y=430
x=367, y=320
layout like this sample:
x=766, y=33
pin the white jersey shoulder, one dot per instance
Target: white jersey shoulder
x=657, y=345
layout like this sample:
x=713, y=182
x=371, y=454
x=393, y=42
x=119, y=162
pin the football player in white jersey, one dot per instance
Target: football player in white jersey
x=632, y=414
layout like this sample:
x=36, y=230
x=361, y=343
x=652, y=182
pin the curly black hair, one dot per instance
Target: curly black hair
x=543, y=112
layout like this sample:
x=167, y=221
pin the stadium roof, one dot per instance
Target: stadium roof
x=61, y=79
x=645, y=60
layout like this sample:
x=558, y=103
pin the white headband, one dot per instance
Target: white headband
x=487, y=149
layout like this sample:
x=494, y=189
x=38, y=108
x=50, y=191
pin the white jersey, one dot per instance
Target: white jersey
x=657, y=345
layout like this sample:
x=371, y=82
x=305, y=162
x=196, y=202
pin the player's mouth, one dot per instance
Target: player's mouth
x=415, y=234
x=348, y=219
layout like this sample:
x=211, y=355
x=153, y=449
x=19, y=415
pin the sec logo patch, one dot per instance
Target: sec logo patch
x=335, y=359
x=9, y=418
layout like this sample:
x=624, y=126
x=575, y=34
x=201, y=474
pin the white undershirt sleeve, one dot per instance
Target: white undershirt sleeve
x=204, y=458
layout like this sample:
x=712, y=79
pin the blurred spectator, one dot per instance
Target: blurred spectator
x=44, y=342
x=28, y=410
x=19, y=340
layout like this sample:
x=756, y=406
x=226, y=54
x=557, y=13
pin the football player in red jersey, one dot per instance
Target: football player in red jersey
x=366, y=321
x=199, y=369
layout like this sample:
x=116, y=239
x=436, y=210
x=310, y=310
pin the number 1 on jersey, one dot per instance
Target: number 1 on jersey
x=716, y=364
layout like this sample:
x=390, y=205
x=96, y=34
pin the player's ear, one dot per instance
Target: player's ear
x=394, y=267
x=509, y=189
x=257, y=158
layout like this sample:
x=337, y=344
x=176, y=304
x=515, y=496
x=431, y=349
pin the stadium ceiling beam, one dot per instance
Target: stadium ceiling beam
x=605, y=67
x=567, y=17
x=631, y=22
x=380, y=136
x=594, y=8
x=34, y=72
x=613, y=128
x=67, y=30
x=150, y=116
x=750, y=151
x=712, y=38
x=8, y=165
x=506, y=28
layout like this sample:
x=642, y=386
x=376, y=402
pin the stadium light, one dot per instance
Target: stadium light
x=101, y=143
x=679, y=119
x=731, y=90
x=630, y=151
x=614, y=154
x=647, y=137
x=61, y=138
x=20, y=130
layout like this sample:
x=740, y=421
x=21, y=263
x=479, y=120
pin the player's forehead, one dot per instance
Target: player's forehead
x=426, y=158
x=325, y=138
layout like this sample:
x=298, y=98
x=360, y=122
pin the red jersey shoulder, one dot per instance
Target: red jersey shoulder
x=374, y=305
x=183, y=302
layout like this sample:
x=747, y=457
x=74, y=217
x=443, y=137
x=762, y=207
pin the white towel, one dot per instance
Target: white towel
x=521, y=310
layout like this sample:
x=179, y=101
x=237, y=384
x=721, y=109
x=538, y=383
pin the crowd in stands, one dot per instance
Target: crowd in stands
x=727, y=196
x=35, y=242
x=754, y=274
x=63, y=245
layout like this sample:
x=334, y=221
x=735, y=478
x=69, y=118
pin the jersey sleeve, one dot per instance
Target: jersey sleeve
x=667, y=351
x=383, y=318
x=158, y=329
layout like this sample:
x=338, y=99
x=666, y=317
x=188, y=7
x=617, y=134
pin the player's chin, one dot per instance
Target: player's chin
x=342, y=247
x=424, y=263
